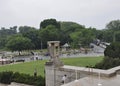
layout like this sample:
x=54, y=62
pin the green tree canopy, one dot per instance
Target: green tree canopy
x=19, y=43
x=35, y=38
x=47, y=22
x=112, y=57
x=113, y=25
x=113, y=50
x=25, y=29
x=50, y=33
x=7, y=32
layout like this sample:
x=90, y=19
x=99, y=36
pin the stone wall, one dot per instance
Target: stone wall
x=54, y=75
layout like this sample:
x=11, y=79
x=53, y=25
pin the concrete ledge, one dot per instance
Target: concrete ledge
x=104, y=73
x=18, y=84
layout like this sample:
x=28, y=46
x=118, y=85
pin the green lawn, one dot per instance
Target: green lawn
x=28, y=67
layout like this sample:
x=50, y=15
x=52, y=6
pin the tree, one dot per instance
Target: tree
x=113, y=50
x=67, y=28
x=3, y=41
x=35, y=38
x=25, y=29
x=47, y=22
x=19, y=43
x=107, y=35
x=113, y=25
x=112, y=57
x=87, y=36
x=50, y=33
x=117, y=36
x=7, y=32
x=75, y=36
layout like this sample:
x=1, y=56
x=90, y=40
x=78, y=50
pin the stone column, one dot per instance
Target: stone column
x=53, y=64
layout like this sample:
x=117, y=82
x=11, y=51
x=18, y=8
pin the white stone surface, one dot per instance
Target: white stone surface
x=94, y=81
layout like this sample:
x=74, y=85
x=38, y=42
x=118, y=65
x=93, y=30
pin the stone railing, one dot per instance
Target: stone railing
x=91, y=72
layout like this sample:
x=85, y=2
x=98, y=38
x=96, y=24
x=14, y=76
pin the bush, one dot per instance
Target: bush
x=113, y=50
x=27, y=79
x=112, y=57
x=8, y=77
x=108, y=63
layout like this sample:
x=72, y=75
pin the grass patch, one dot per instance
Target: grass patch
x=82, y=61
x=28, y=67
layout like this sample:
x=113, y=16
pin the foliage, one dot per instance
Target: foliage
x=3, y=41
x=108, y=63
x=25, y=29
x=117, y=36
x=83, y=37
x=107, y=35
x=8, y=77
x=27, y=79
x=35, y=38
x=113, y=50
x=50, y=33
x=112, y=57
x=5, y=32
x=48, y=22
x=87, y=37
x=65, y=32
x=67, y=28
x=19, y=43
x=113, y=25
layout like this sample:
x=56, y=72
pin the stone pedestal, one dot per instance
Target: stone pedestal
x=53, y=64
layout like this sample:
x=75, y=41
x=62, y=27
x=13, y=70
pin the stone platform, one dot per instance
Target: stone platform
x=15, y=84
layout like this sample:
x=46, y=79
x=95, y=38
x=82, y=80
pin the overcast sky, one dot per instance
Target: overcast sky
x=91, y=13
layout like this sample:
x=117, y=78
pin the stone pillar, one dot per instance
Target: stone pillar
x=53, y=64
x=54, y=49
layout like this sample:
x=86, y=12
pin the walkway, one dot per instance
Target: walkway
x=15, y=84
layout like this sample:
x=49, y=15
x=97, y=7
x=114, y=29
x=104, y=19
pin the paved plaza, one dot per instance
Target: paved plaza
x=15, y=84
x=95, y=81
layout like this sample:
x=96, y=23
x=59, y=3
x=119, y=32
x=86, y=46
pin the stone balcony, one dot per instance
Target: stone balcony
x=97, y=77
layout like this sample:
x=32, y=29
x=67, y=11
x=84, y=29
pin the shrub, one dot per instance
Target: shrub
x=113, y=50
x=112, y=57
x=8, y=77
x=27, y=79
x=108, y=63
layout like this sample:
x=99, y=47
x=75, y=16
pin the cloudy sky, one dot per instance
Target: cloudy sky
x=91, y=13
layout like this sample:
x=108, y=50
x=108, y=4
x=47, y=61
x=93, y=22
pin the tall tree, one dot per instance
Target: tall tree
x=47, y=22
x=6, y=32
x=25, y=29
x=68, y=28
x=113, y=25
x=35, y=38
x=50, y=33
x=19, y=43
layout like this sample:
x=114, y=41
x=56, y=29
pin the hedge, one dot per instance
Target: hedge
x=8, y=76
